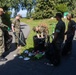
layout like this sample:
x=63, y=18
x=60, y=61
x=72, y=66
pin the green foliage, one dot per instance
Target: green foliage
x=9, y=3
x=6, y=4
x=72, y=7
x=44, y=9
x=41, y=8
x=6, y=19
x=48, y=8
x=28, y=4
x=74, y=12
x=62, y=7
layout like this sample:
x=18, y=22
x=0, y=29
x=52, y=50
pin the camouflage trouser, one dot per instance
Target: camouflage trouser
x=16, y=37
x=2, y=46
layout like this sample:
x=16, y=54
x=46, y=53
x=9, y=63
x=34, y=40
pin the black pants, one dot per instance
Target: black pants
x=53, y=53
x=57, y=55
x=67, y=46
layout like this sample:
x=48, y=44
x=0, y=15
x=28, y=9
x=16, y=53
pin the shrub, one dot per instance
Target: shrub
x=6, y=19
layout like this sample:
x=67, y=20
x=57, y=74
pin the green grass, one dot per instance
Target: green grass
x=50, y=22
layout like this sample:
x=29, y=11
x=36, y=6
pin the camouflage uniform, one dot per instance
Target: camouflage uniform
x=17, y=29
x=2, y=46
x=44, y=30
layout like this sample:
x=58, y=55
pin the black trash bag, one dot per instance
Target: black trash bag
x=50, y=52
x=52, y=55
x=39, y=44
x=22, y=40
x=8, y=40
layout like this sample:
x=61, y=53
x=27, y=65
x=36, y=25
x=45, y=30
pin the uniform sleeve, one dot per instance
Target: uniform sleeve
x=13, y=22
x=1, y=24
x=58, y=28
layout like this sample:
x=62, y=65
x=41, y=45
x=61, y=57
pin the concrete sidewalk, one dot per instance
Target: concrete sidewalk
x=25, y=29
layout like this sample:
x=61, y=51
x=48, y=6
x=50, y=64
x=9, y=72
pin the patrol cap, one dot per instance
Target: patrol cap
x=19, y=15
x=1, y=10
x=59, y=15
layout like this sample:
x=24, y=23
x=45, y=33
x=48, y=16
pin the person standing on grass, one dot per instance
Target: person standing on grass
x=16, y=29
x=70, y=34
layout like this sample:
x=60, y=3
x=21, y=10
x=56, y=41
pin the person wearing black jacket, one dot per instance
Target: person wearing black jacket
x=55, y=57
x=69, y=35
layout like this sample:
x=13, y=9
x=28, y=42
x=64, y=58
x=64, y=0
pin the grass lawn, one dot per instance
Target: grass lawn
x=50, y=22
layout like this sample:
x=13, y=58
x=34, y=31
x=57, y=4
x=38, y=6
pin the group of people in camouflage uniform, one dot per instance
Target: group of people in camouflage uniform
x=15, y=29
x=42, y=30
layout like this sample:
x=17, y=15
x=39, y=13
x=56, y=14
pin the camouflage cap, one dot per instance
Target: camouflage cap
x=1, y=10
x=19, y=15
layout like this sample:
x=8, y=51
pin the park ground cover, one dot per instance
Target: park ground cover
x=51, y=25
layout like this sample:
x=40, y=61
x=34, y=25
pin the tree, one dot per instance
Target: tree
x=48, y=8
x=29, y=5
x=44, y=9
x=62, y=8
x=72, y=7
x=6, y=4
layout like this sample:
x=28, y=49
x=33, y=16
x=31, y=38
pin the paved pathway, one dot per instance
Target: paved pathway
x=25, y=29
x=16, y=66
